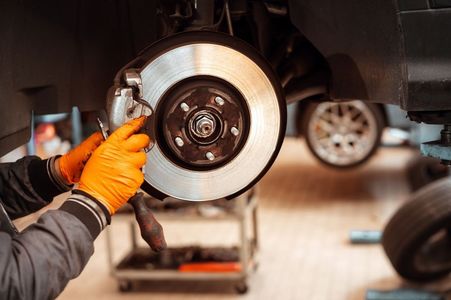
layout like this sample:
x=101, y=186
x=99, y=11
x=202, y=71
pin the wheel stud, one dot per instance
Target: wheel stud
x=210, y=156
x=234, y=131
x=184, y=106
x=179, y=142
x=219, y=101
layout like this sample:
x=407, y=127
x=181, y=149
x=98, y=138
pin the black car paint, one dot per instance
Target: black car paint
x=393, y=52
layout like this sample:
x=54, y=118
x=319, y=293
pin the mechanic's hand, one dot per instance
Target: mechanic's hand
x=72, y=163
x=113, y=173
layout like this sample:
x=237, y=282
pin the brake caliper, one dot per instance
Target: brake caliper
x=126, y=97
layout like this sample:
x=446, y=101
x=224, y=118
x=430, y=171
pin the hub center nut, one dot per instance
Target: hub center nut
x=204, y=125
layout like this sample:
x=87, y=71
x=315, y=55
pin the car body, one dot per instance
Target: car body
x=393, y=52
x=56, y=55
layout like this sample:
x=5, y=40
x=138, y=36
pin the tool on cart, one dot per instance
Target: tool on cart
x=233, y=263
x=212, y=267
x=365, y=236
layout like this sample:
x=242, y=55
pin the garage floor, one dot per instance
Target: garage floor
x=306, y=212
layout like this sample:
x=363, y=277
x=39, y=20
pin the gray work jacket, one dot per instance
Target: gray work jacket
x=38, y=262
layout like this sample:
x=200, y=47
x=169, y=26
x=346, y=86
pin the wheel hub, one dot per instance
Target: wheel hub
x=203, y=125
x=205, y=121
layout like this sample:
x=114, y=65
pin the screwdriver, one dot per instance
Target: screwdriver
x=151, y=230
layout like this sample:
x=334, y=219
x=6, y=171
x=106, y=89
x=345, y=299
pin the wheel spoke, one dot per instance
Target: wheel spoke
x=347, y=148
x=354, y=113
x=326, y=126
x=327, y=144
x=350, y=114
x=335, y=109
x=335, y=118
x=358, y=124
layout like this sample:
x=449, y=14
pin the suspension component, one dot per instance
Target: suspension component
x=440, y=149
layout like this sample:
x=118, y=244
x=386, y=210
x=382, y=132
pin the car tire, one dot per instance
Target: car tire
x=417, y=239
x=373, y=125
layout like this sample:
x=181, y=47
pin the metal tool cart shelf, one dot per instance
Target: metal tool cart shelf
x=242, y=209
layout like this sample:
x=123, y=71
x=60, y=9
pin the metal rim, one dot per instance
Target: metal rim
x=342, y=133
x=263, y=99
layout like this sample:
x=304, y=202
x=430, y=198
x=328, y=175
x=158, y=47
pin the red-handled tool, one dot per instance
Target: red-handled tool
x=151, y=230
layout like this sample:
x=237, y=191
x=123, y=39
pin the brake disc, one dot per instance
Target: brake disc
x=219, y=115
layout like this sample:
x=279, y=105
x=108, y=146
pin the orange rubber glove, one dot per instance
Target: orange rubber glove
x=113, y=173
x=72, y=163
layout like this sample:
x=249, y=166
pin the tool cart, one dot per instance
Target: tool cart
x=234, y=263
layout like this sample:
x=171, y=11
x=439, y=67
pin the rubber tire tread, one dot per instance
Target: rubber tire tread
x=428, y=211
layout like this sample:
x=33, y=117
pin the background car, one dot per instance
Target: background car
x=341, y=134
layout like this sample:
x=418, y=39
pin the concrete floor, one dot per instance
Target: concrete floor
x=306, y=212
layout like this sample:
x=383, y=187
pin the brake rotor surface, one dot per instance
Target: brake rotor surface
x=219, y=116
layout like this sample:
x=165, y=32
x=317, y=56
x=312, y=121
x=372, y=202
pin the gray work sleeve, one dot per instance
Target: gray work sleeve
x=39, y=262
x=28, y=184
